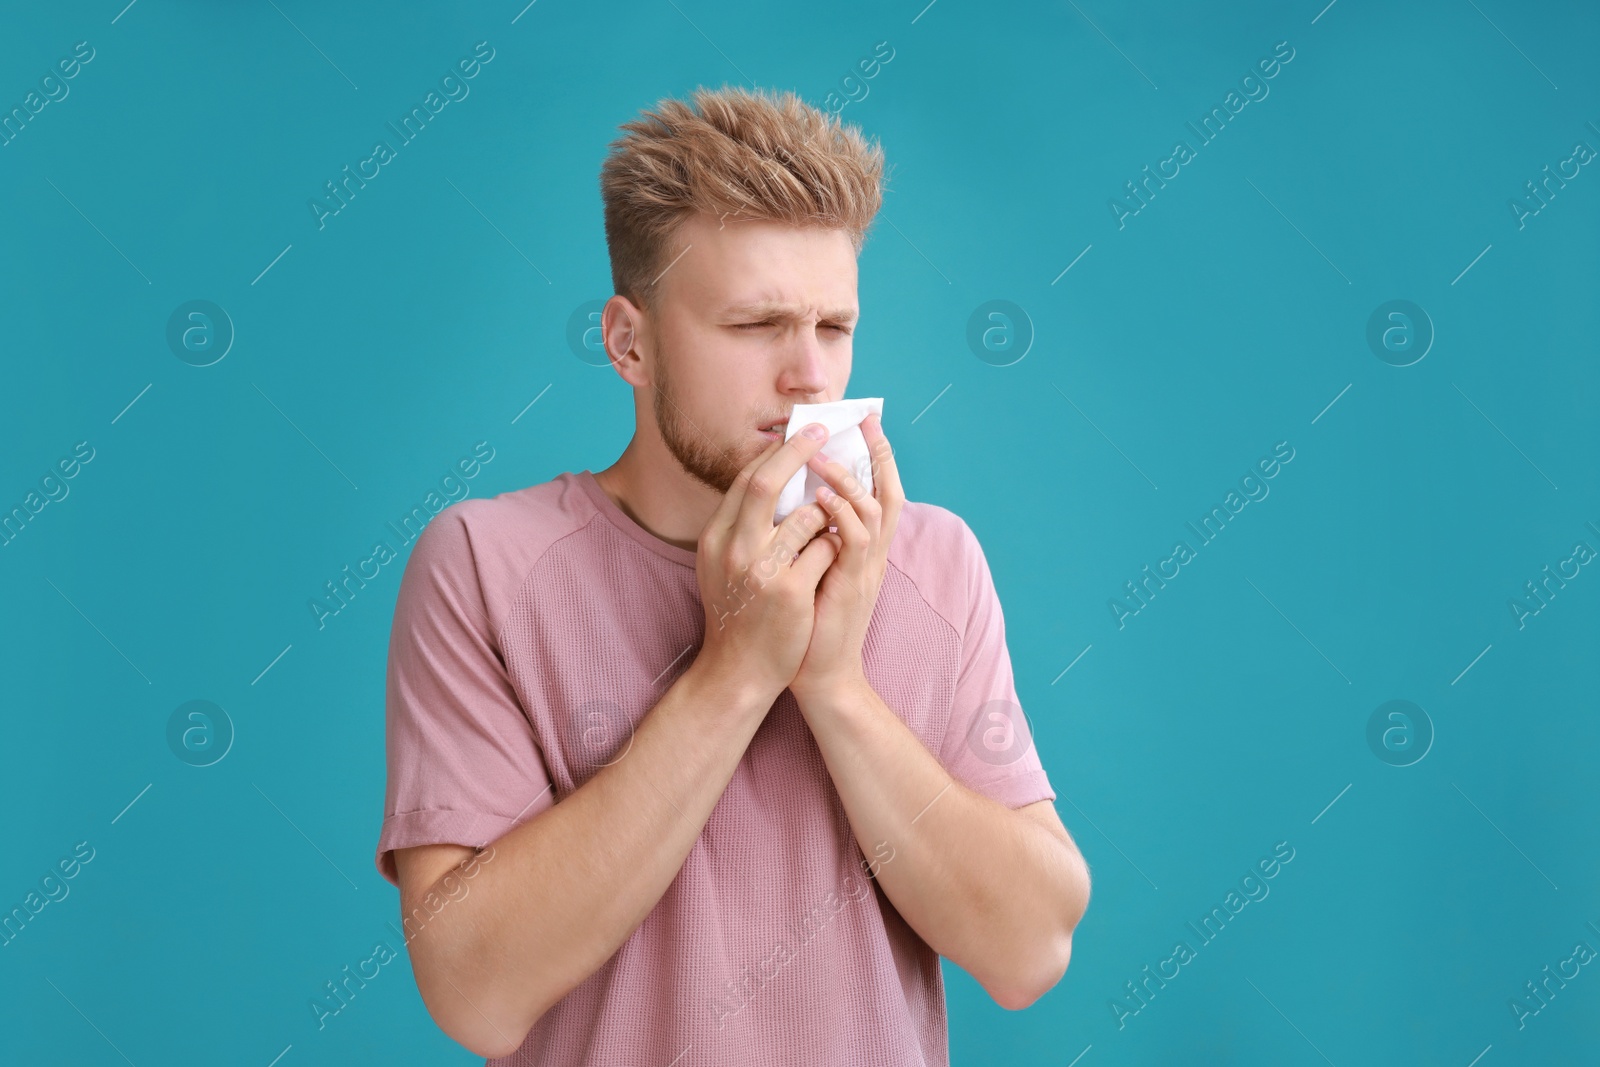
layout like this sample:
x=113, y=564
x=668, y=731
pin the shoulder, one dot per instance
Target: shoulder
x=926, y=534
x=936, y=549
x=492, y=543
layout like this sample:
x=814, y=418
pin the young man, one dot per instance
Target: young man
x=670, y=783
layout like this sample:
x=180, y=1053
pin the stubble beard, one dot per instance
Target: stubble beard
x=713, y=466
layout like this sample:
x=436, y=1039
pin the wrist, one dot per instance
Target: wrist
x=734, y=691
x=844, y=690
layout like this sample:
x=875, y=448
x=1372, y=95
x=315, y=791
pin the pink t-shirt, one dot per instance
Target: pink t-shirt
x=535, y=629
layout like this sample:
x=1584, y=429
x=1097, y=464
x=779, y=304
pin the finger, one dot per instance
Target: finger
x=885, y=474
x=796, y=531
x=885, y=471
x=852, y=531
x=762, y=488
x=815, y=559
x=727, y=510
x=842, y=480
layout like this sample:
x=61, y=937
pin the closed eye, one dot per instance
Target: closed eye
x=759, y=325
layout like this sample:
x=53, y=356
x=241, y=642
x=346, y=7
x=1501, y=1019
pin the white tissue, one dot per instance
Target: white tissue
x=845, y=444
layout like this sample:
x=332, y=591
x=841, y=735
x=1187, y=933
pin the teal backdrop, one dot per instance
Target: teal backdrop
x=1307, y=289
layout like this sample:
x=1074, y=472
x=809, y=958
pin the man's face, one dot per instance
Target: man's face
x=751, y=318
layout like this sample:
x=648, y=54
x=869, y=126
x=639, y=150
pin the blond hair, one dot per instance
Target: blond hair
x=734, y=153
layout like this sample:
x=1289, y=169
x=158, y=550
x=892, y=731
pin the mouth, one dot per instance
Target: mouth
x=773, y=430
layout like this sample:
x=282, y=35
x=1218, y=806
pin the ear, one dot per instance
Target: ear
x=625, y=330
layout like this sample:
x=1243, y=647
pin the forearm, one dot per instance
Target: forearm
x=989, y=889
x=565, y=889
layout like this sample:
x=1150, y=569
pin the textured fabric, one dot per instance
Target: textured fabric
x=535, y=629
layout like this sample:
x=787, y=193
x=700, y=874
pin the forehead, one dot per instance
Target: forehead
x=729, y=266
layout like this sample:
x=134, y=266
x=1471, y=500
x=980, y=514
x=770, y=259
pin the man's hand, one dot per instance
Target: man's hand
x=758, y=581
x=849, y=589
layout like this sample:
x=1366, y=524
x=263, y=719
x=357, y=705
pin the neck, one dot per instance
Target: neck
x=658, y=494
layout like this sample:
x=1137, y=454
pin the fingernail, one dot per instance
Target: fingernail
x=816, y=431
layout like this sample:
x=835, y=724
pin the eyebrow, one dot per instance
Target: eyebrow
x=773, y=309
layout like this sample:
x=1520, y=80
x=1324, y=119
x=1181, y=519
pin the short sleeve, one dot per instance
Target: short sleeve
x=463, y=764
x=988, y=745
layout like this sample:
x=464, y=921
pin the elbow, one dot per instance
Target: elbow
x=1050, y=966
x=1047, y=969
x=477, y=1033
x=491, y=1038
x=1046, y=974
x=494, y=1051
x=494, y=1048
x=473, y=1018
x=491, y=1044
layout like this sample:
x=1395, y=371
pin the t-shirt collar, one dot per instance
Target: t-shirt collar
x=620, y=519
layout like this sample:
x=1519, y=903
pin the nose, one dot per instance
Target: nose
x=805, y=368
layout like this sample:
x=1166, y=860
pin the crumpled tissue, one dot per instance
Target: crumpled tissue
x=845, y=444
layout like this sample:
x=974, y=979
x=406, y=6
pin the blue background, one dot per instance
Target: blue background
x=1229, y=314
